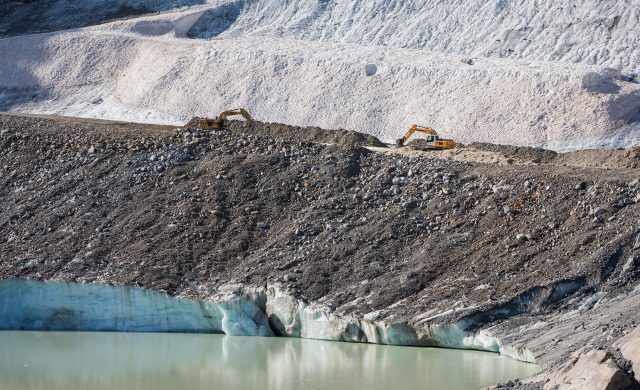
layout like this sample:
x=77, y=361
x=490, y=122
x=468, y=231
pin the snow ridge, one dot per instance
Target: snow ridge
x=598, y=32
x=357, y=65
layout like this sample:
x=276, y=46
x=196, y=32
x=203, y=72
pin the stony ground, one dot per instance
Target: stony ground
x=509, y=238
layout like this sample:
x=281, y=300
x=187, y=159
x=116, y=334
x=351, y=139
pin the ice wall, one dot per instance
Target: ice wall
x=293, y=318
x=34, y=305
x=233, y=310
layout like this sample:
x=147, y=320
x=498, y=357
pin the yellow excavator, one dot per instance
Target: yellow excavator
x=433, y=141
x=218, y=123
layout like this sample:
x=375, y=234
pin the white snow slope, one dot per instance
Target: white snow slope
x=603, y=32
x=358, y=65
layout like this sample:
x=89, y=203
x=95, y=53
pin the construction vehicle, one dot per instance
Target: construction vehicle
x=433, y=141
x=218, y=123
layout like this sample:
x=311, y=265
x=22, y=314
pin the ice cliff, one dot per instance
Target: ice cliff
x=233, y=310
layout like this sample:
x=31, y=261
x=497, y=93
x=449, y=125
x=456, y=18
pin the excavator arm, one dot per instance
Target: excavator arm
x=433, y=140
x=240, y=111
x=416, y=129
x=218, y=122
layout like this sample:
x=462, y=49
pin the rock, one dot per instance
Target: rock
x=591, y=302
x=373, y=316
x=595, y=370
x=630, y=349
x=468, y=178
x=598, y=211
x=76, y=261
x=30, y=264
x=502, y=188
x=262, y=225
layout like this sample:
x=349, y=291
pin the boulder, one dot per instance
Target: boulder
x=630, y=349
x=595, y=370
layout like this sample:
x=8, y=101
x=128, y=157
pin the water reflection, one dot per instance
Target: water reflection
x=78, y=360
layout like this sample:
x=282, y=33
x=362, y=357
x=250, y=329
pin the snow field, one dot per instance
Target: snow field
x=114, y=72
x=167, y=68
x=600, y=32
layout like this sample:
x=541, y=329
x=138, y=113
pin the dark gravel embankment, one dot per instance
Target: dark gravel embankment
x=362, y=231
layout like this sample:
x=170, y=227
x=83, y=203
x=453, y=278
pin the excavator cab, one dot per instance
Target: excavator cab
x=219, y=122
x=433, y=141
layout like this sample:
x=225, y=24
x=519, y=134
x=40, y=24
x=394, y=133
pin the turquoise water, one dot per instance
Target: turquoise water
x=162, y=361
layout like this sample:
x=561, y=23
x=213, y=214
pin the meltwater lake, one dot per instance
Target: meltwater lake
x=128, y=361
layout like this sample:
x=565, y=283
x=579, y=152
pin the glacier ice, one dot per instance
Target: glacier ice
x=233, y=310
x=35, y=305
